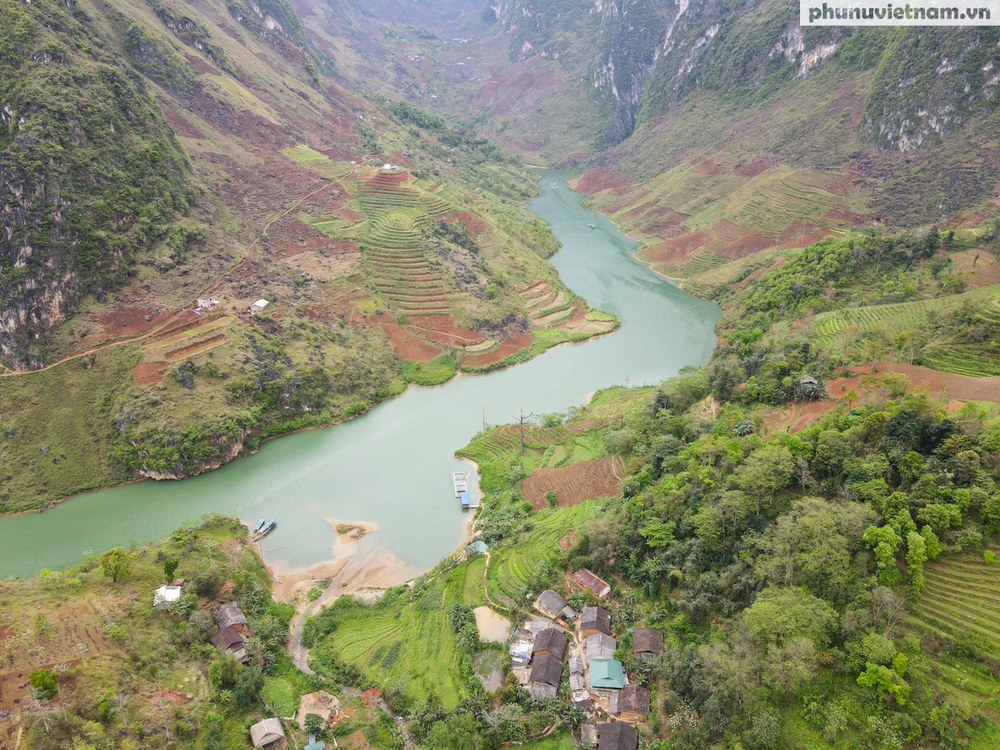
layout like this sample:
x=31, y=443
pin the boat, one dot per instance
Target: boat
x=592, y=226
x=265, y=529
x=461, y=481
x=259, y=526
x=464, y=497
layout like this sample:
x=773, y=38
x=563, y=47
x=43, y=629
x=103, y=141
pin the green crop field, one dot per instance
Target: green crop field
x=405, y=641
x=510, y=568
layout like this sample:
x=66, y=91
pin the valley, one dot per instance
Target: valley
x=755, y=505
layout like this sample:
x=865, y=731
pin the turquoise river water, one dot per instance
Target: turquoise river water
x=392, y=467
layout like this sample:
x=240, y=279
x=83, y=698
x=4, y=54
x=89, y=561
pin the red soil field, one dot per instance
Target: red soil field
x=574, y=484
x=181, y=126
x=707, y=167
x=408, y=345
x=506, y=348
x=473, y=223
x=600, y=179
x=753, y=168
x=200, y=66
x=671, y=251
x=442, y=329
x=131, y=321
x=744, y=246
x=149, y=373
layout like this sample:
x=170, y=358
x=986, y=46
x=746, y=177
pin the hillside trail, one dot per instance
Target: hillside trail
x=7, y=372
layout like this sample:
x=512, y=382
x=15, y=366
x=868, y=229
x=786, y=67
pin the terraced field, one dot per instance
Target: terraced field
x=961, y=602
x=407, y=643
x=398, y=268
x=831, y=329
x=511, y=569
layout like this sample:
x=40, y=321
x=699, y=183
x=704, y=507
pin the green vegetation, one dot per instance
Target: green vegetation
x=127, y=674
x=439, y=370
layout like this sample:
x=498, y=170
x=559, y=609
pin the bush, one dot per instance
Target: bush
x=44, y=684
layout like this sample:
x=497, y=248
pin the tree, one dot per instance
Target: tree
x=44, y=684
x=780, y=614
x=766, y=471
x=247, y=686
x=886, y=681
x=885, y=542
x=916, y=555
x=169, y=568
x=791, y=666
x=117, y=563
x=456, y=732
x=313, y=724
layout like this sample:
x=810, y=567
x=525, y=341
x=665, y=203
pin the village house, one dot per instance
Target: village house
x=550, y=641
x=633, y=703
x=164, y=596
x=587, y=580
x=266, y=732
x=258, y=306
x=231, y=616
x=576, y=678
x=647, y=643
x=546, y=672
x=617, y=736
x=594, y=620
x=228, y=639
x=600, y=646
x=605, y=675
x=551, y=604
x=207, y=303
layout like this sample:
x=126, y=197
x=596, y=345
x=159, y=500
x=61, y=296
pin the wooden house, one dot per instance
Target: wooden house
x=633, y=703
x=594, y=620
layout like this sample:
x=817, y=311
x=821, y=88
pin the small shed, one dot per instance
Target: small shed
x=600, y=646
x=550, y=603
x=164, y=596
x=575, y=665
x=550, y=641
x=607, y=674
x=231, y=616
x=478, y=547
x=617, y=736
x=594, y=620
x=588, y=580
x=537, y=624
x=546, y=669
x=259, y=306
x=647, y=643
x=633, y=703
x=265, y=732
x=520, y=653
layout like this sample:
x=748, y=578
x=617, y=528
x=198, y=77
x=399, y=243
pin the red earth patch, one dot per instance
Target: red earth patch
x=574, y=484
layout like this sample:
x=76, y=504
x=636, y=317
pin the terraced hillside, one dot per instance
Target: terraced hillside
x=960, y=604
x=838, y=329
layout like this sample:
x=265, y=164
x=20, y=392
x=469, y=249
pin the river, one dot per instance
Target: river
x=392, y=467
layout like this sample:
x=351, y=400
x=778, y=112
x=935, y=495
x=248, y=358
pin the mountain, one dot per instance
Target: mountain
x=163, y=166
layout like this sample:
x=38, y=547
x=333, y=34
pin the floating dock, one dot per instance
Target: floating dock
x=461, y=480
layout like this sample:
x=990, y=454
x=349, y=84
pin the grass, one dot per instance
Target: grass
x=281, y=696
x=57, y=434
x=439, y=370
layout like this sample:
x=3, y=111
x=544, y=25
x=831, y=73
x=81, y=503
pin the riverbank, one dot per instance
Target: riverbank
x=393, y=467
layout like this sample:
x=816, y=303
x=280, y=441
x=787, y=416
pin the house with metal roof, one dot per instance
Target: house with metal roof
x=588, y=580
x=595, y=620
x=600, y=646
x=164, y=596
x=606, y=674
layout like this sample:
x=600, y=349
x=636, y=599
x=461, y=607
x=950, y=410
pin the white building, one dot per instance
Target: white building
x=259, y=306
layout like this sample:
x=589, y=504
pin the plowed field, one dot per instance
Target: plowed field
x=574, y=484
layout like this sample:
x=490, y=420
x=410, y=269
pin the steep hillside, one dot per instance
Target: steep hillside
x=197, y=159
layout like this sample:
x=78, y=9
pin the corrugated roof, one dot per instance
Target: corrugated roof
x=547, y=669
x=606, y=673
x=596, y=618
x=589, y=580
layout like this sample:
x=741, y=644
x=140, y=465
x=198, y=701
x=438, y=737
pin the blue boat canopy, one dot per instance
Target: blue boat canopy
x=465, y=499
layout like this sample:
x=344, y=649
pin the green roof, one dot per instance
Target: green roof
x=606, y=673
x=316, y=746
